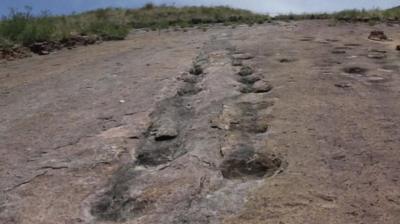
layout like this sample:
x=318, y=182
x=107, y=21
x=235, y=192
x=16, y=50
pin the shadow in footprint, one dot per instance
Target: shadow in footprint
x=245, y=163
x=246, y=71
x=286, y=60
x=249, y=80
x=116, y=204
x=260, y=86
x=355, y=70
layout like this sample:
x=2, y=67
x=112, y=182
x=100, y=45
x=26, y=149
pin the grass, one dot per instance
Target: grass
x=23, y=28
x=374, y=15
x=190, y=16
x=369, y=15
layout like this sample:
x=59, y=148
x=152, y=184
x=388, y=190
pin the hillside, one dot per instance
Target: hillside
x=113, y=23
x=45, y=33
x=350, y=15
x=395, y=8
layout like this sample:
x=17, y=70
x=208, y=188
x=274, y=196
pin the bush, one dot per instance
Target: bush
x=15, y=24
x=5, y=43
x=41, y=29
x=107, y=30
x=22, y=27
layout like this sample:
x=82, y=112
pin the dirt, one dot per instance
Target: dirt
x=276, y=123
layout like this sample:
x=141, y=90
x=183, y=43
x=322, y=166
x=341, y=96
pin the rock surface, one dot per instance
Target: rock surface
x=165, y=129
x=78, y=129
x=262, y=86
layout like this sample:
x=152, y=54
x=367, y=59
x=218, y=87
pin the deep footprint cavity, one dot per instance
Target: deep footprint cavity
x=245, y=163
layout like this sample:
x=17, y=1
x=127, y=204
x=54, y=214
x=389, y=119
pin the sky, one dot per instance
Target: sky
x=262, y=6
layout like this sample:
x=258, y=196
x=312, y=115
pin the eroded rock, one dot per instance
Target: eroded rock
x=249, y=80
x=378, y=35
x=116, y=204
x=189, y=89
x=355, y=70
x=246, y=70
x=14, y=53
x=44, y=48
x=188, y=78
x=198, y=64
x=246, y=163
x=77, y=40
x=237, y=62
x=197, y=69
x=243, y=116
x=156, y=154
x=165, y=129
x=262, y=86
x=162, y=142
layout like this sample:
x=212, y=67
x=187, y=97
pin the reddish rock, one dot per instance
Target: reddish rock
x=44, y=48
x=14, y=53
x=77, y=40
x=377, y=36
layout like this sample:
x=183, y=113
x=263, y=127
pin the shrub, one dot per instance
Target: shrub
x=5, y=43
x=14, y=25
x=22, y=27
x=40, y=29
x=107, y=30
